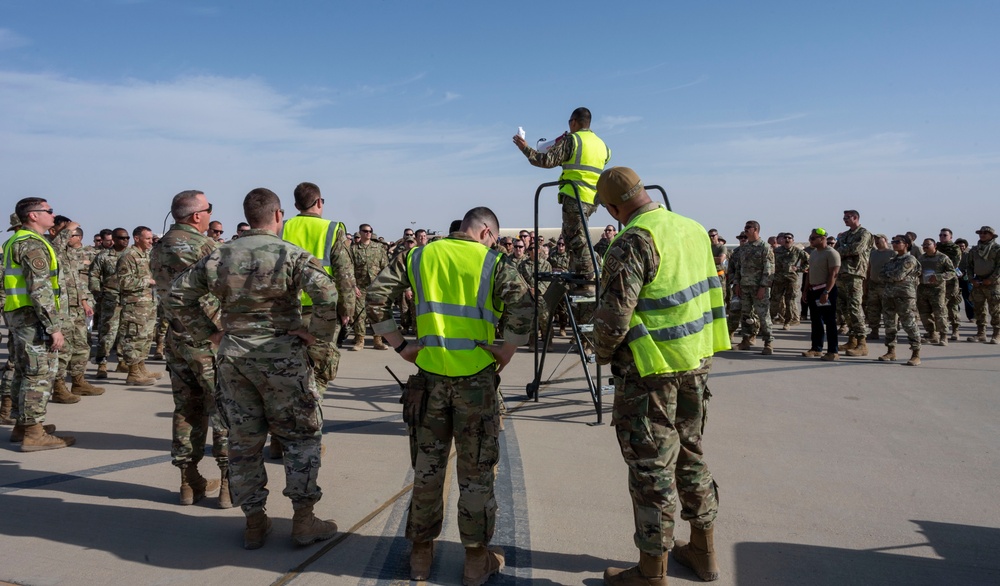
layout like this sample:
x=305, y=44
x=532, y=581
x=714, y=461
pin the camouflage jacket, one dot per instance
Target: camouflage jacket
x=952, y=251
x=789, y=262
x=854, y=247
x=369, y=260
x=134, y=276
x=34, y=258
x=983, y=261
x=182, y=246
x=561, y=151
x=938, y=265
x=73, y=278
x=258, y=280
x=719, y=251
x=527, y=271
x=508, y=286
x=755, y=264
x=601, y=247
x=900, y=275
x=103, y=272
x=559, y=261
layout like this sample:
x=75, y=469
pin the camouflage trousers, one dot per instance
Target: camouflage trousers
x=192, y=381
x=660, y=421
x=850, y=305
x=360, y=314
x=760, y=310
x=137, y=321
x=932, y=310
x=953, y=299
x=785, y=296
x=76, y=350
x=108, y=327
x=573, y=227
x=900, y=310
x=7, y=372
x=35, y=369
x=162, y=325
x=324, y=354
x=277, y=395
x=464, y=409
x=873, y=305
x=986, y=300
x=407, y=313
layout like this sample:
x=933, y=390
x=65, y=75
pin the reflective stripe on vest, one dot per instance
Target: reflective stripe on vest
x=589, y=157
x=680, y=317
x=452, y=283
x=315, y=235
x=14, y=284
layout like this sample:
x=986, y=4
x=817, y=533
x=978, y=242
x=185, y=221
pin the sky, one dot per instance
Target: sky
x=403, y=112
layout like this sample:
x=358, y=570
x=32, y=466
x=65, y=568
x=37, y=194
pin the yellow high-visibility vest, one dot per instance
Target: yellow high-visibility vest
x=315, y=235
x=14, y=284
x=590, y=155
x=680, y=317
x=452, y=283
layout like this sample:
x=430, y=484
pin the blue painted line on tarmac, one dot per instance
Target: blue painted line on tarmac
x=390, y=560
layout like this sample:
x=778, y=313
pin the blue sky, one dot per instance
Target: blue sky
x=784, y=112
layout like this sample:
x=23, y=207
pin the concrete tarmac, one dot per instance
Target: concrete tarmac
x=855, y=472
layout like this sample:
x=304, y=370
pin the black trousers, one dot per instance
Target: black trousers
x=823, y=317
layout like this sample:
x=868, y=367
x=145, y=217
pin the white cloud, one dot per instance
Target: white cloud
x=747, y=123
x=11, y=40
x=612, y=122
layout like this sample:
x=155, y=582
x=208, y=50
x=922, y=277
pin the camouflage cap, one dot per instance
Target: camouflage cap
x=618, y=185
x=741, y=235
x=986, y=230
x=881, y=236
x=409, y=239
x=15, y=223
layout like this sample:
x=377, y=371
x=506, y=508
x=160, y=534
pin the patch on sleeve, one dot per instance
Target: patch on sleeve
x=39, y=264
x=614, y=260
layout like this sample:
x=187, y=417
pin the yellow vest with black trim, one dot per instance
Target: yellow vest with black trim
x=680, y=316
x=14, y=284
x=317, y=236
x=584, y=166
x=452, y=281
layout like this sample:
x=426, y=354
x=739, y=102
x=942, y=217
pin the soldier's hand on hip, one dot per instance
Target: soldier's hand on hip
x=502, y=354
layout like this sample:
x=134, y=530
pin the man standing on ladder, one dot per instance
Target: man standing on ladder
x=582, y=156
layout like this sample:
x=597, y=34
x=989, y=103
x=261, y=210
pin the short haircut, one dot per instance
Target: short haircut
x=306, y=195
x=852, y=213
x=753, y=224
x=24, y=207
x=480, y=215
x=106, y=232
x=77, y=232
x=455, y=226
x=119, y=232
x=911, y=235
x=61, y=219
x=185, y=204
x=948, y=230
x=259, y=206
x=139, y=230
x=961, y=241
x=363, y=226
x=931, y=240
x=242, y=225
x=214, y=223
x=581, y=115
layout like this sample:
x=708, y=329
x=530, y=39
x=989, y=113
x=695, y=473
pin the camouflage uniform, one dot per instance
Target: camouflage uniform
x=931, y=300
x=899, y=295
x=463, y=408
x=191, y=364
x=369, y=260
x=755, y=269
x=789, y=263
x=560, y=264
x=104, y=278
x=138, y=312
x=75, y=294
x=265, y=380
x=953, y=289
x=983, y=268
x=527, y=271
x=873, y=299
x=659, y=419
x=854, y=247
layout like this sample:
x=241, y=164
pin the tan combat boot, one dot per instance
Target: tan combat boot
x=480, y=564
x=36, y=440
x=860, y=347
x=122, y=367
x=149, y=373
x=82, y=388
x=225, y=499
x=652, y=570
x=851, y=344
x=745, y=344
x=194, y=486
x=954, y=333
x=102, y=371
x=699, y=554
x=830, y=357
x=768, y=349
x=6, y=405
x=979, y=337
x=17, y=434
x=60, y=394
x=158, y=352
x=914, y=358
x=306, y=528
x=421, y=558
x=995, y=339
x=258, y=526
x=359, y=343
x=380, y=343
x=812, y=353
x=137, y=378
x=889, y=356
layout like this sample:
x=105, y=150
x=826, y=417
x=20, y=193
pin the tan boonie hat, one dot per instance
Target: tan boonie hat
x=618, y=185
x=15, y=223
x=986, y=230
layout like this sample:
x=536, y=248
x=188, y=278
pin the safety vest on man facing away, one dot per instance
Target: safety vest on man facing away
x=317, y=236
x=585, y=166
x=14, y=284
x=680, y=316
x=452, y=282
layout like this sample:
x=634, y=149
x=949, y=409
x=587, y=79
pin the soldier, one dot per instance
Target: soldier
x=103, y=277
x=582, y=156
x=789, y=263
x=560, y=264
x=322, y=238
x=107, y=242
x=265, y=380
x=659, y=275
x=407, y=311
x=31, y=306
x=854, y=246
x=953, y=288
x=602, y=245
x=191, y=363
x=215, y=232
x=537, y=290
x=873, y=297
x=461, y=287
x=754, y=273
x=369, y=259
x=899, y=294
x=77, y=301
x=983, y=267
x=936, y=270
x=518, y=257
x=820, y=293
x=7, y=372
x=138, y=310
